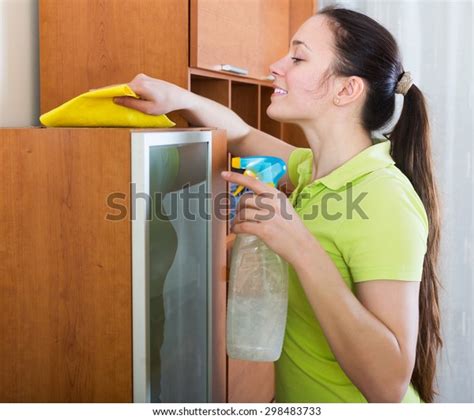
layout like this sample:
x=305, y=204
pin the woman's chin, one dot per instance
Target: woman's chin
x=274, y=114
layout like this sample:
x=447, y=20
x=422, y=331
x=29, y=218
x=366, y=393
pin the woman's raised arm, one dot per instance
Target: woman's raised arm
x=160, y=97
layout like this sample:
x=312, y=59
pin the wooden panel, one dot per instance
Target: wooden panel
x=225, y=32
x=65, y=276
x=93, y=43
x=294, y=135
x=274, y=40
x=219, y=262
x=227, y=76
x=267, y=124
x=214, y=89
x=244, y=102
x=243, y=33
x=176, y=117
x=300, y=10
x=250, y=382
x=228, y=223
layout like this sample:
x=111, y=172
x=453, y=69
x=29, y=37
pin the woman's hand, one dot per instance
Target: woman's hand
x=157, y=97
x=269, y=215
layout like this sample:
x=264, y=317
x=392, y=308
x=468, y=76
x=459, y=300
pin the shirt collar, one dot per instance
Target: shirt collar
x=377, y=156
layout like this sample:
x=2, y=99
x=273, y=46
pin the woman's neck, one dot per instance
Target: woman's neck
x=335, y=146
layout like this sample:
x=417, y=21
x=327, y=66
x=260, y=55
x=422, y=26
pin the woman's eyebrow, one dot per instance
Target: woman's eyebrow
x=298, y=42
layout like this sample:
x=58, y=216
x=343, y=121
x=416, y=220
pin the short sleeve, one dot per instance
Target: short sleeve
x=389, y=240
x=300, y=165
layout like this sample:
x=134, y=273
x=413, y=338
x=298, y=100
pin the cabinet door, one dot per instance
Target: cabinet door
x=90, y=43
x=177, y=294
x=65, y=276
x=65, y=288
x=250, y=34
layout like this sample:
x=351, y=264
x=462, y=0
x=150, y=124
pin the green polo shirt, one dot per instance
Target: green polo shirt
x=371, y=222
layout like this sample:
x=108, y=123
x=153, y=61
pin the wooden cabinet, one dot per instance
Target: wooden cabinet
x=249, y=34
x=94, y=43
x=65, y=287
x=66, y=271
x=248, y=98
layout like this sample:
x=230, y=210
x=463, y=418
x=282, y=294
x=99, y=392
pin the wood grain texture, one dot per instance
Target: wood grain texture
x=244, y=33
x=273, y=41
x=65, y=276
x=268, y=125
x=244, y=102
x=93, y=43
x=250, y=382
x=294, y=135
x=227, y=76
x=87, y=44
x=300, y=10
x=217, y=90
x=219, y=262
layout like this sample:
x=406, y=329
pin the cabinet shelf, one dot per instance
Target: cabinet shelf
x=212, y=88
x=248, y=98
x=268, y=125
x=244, y=102
x=193, y=71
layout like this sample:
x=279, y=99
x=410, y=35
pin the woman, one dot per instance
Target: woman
x=361, y=227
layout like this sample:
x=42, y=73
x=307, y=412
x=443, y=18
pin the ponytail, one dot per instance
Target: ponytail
x=411, y=151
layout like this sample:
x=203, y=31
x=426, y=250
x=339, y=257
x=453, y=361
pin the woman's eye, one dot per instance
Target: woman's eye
x=296, y=60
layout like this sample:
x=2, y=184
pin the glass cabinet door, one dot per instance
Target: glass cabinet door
x=173, y=352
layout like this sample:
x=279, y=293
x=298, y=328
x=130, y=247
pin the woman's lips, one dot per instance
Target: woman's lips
x=279, y=92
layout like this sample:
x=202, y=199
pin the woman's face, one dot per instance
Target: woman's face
x=300, y=72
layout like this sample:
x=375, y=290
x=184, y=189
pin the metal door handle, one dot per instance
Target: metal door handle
x=233, y=69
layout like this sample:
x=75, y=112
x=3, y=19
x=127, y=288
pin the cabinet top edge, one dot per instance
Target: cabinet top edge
x=110, y=128
x=227, y=76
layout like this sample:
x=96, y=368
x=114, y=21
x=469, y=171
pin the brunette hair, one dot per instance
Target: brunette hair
x=364, y=48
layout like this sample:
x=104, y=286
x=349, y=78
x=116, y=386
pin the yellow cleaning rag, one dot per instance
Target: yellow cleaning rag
x=97, y=109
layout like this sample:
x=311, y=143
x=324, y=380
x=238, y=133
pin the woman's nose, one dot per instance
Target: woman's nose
x=276, y=69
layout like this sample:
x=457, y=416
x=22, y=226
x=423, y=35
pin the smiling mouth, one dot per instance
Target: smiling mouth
x=279, y=92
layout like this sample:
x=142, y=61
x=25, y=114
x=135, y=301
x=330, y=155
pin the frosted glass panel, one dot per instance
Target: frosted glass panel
x=178, y=272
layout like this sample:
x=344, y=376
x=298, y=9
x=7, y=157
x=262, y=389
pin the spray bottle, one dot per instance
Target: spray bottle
x=258, y=285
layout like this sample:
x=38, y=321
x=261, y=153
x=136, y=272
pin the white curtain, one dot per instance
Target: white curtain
x=435, y=39
x=19, y=63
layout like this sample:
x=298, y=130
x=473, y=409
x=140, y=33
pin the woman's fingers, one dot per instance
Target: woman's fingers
x=246, y=200
x=263, y=202
x=250, y=182
x=142, y=87
x=144, y=106
x=245, y=219
x=156, y=97
x=246, y=214
x=254, y=214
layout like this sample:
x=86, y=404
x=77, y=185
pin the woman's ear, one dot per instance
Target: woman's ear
x=349, y=90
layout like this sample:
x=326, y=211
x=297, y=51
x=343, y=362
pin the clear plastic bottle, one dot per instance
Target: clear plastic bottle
x=257, y=302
